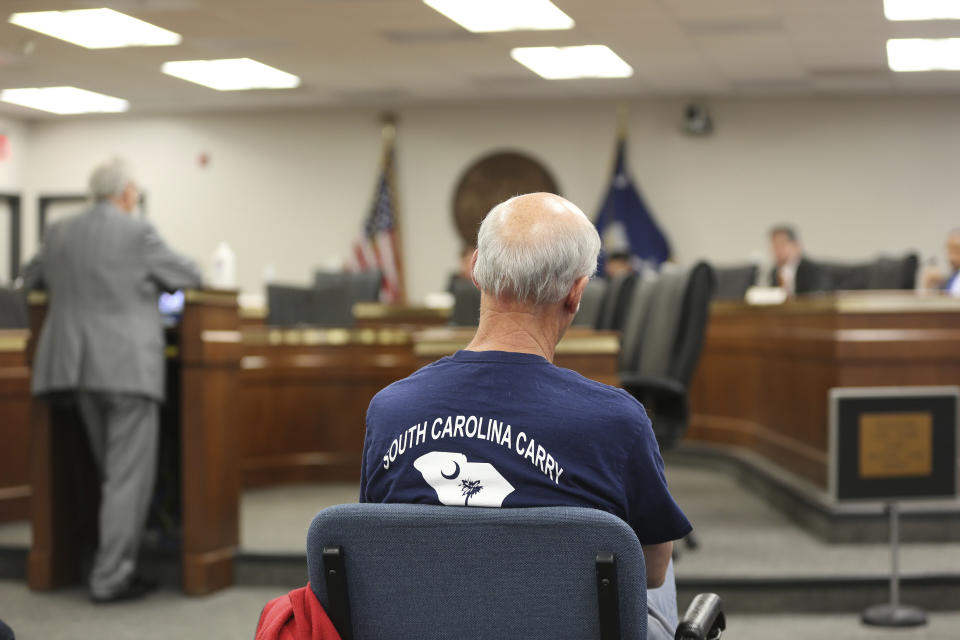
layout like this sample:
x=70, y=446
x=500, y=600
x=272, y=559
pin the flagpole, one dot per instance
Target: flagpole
x=623, y=121
x=388, y=133
x=623, y=125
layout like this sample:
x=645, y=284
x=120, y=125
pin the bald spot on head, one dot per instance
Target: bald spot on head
x=536, y=216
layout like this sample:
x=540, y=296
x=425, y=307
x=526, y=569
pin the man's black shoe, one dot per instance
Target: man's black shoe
x=137, y=588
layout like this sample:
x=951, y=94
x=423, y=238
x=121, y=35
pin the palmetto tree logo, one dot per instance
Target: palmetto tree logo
x=470, y=488
x=458, y=481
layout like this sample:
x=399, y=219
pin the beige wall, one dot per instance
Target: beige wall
x=858, y=176
x=11, y=181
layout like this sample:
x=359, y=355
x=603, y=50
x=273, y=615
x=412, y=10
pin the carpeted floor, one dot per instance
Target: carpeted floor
x=740, y=535
x=232, y=614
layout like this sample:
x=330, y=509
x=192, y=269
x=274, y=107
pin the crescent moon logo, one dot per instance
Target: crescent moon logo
x=454, y=474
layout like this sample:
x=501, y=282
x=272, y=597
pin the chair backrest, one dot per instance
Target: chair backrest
x=330, y=305
x=635, y=320
x=288, y=305
x=13, y=309
x=882, y=273
x=364, y=286
x=733, y=282
x=663, y=325
x=694, y=316
x=666, y=323
x=843, y=277
x=591, y=303
x=359, y=286
x=466, y=304
x=894, y=273
x=420, y=571
x=616, y=303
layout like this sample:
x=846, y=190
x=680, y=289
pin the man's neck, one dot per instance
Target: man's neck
x=511, y=328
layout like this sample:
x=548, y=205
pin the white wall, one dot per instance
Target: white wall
x=11, y=181
x=858, y=176
x=12, y=167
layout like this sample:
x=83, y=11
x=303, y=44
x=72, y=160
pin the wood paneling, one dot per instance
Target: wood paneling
x=305, y=392
x=210, y=352
x=303, y=406
x=763, y=379
x=14, y=426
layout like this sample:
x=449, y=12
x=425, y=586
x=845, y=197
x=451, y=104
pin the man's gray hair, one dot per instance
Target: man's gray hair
x=110, y=179
x=541, y=267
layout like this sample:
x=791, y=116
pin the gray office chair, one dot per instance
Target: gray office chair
x=288, y=305
x=882, y=273
x=359, y=286
x=364, y=286
x=13, y=309
x=420, y=571
x=894, y=273
x=615, y=303
x=591, y=303
x=466, y=303
x=330, y=305
x=662, y=344
x=733, y=282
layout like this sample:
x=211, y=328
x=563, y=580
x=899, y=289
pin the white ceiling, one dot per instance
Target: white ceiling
x=393, y=52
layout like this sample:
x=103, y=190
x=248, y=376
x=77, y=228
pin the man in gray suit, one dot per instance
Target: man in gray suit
x=103, y=341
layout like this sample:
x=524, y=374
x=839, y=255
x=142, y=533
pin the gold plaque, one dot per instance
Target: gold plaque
x=894, y=445
x=491, y=180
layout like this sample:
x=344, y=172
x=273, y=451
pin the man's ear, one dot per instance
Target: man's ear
x=473, y=267
x=571, y=303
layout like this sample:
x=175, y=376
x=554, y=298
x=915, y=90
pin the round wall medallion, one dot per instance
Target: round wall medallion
x=491, y=180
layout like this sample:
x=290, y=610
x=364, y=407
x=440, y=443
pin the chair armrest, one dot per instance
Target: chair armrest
x=632, y=383
x=704, y=619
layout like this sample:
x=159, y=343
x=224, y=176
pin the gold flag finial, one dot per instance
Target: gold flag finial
x=388, y=121
x=623, y=118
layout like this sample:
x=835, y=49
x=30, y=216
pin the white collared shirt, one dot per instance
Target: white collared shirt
x=788, y=276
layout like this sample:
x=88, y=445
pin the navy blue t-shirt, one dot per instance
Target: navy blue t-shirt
x=496, y=428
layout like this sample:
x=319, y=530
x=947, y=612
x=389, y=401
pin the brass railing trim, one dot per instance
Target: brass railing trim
x=849, y=303
x=220, y=297
x=380, y=311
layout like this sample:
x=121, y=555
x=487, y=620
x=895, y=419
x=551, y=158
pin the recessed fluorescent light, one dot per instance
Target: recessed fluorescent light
x=562, y=63
x=503, y=15
x=64, y=100
x=920, y=54
x=96, y=28
x=231, y=74
x=922, y=9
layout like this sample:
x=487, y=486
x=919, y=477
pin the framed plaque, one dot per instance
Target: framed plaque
x=491, y=180
x=893, y=443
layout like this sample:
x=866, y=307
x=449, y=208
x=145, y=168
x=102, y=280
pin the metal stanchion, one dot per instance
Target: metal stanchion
x=894, y=614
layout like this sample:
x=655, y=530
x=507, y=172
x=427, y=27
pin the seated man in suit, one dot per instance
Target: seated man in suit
x=792, y=270
x=935, y=279
x=498, y=425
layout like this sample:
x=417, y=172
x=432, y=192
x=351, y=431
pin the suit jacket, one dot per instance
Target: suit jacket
x=103, y=272
x=808, y=278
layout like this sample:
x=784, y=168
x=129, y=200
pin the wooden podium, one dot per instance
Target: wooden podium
x=204, y=357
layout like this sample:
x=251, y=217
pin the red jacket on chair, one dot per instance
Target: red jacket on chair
x=295, y=616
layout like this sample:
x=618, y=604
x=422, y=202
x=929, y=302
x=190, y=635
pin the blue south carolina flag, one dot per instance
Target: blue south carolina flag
x=624, y=222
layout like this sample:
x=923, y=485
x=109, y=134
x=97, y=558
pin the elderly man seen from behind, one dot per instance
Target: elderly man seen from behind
x=498, y=425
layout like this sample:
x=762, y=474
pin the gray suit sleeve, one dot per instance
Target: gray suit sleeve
x=170, y=269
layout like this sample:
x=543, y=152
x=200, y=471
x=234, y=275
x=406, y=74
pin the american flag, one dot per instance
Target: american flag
x=377, y=246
